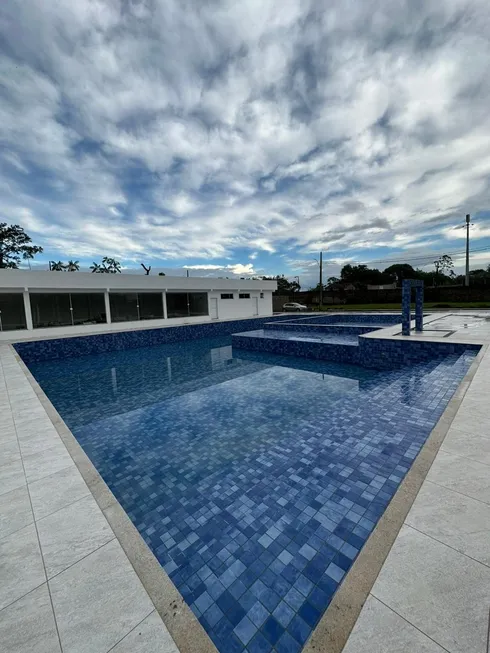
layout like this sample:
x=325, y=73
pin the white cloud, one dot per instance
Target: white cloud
x=203, y=267
x=235, y=268
x=174, y=131
x=240, y=268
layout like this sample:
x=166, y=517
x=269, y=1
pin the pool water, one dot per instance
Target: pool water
x=254, y=479
x=307, y=336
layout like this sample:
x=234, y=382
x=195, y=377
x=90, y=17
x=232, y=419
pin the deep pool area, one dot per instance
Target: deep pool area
x=255, y=479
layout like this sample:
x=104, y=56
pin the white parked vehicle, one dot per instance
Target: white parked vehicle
x=294, y=306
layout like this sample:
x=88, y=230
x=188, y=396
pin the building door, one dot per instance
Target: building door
x=214, y=308
x=256, y=305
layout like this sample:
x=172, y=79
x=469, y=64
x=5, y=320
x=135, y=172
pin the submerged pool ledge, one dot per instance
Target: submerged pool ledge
x=372, y=353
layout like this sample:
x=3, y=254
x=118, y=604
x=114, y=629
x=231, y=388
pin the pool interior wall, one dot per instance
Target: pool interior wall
x=255, y=479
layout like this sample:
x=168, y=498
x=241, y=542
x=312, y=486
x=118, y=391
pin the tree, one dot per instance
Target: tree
x=108, y=265
x=401, y=271
x=111, y=265
x=444, y=265
x=146, y=269
x=56, y=266
x=72, y=266
x=363, y=275
x=317, y=287
x=15, y=245
x=284, y=287
x=332, y=280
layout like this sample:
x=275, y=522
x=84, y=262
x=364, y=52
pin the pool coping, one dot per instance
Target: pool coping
x=182, y=624
x=335, y=626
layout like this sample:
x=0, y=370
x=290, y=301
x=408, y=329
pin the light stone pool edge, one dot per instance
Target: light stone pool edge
x=184, y=627
x=334, y=628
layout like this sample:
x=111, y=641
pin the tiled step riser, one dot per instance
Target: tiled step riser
x=347, y=329
x=372, y=353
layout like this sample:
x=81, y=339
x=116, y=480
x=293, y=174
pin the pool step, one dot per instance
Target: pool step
x=347, y=329
x=270, y=341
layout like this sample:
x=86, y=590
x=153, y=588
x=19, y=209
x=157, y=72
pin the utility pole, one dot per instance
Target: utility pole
x=321, y=279
x=467, y=276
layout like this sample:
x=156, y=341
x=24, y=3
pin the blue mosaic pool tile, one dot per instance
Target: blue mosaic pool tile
x=255, y=480
x=272, y=630
x=373, y=353
x=287, y=644
x=62, y=348
x=259, y=644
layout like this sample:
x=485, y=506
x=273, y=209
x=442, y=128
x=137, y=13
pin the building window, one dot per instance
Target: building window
x=150, y=305
x=244, y=295
x=261, y=295
x=198, y=303
x=226, y=295
x=131, y=307
x=88, y=308
x=124, y=307
x=183, y=304
x=50, y=310
x=65, y=309
x=12, y=313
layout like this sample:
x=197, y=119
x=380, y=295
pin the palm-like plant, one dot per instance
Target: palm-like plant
x=56, y=266
x=111, y=265
x=108, y=265
x=72, y=266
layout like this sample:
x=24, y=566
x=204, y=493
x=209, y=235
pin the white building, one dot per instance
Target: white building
x=47, y=304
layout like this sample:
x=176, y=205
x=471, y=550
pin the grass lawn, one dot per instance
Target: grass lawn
x=398, y=306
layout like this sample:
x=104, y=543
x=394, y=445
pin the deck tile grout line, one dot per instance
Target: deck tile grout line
x=45, y=582
x=80, y=560
x=488, y=634
x=434, y=539
x=132, y=629
x=485, y=503
x=39, y=544
x=49, y=514
x=410, y=623
x=52, y=473
x=465, y=457
x=17, y=530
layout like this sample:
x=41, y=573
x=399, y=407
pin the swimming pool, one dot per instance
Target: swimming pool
x=254, y=479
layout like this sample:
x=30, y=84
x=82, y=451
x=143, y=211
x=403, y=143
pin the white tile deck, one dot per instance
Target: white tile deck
x=433, y=591
x=66, y=584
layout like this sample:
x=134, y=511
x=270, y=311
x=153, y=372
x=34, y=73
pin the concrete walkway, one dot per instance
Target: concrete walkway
x=433, y=591
x=65, y=581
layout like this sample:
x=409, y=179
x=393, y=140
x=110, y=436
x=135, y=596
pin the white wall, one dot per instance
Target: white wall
x=236, y=308
x=46, y=280
x=25, y=281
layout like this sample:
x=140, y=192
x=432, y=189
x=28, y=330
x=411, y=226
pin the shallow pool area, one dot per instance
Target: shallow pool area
x=312, y=334
x=255, y=479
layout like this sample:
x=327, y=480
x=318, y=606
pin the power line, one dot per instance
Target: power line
x=422, y=257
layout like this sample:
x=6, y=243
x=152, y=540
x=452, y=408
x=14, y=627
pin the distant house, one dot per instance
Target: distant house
x=339, y=286
x=385, y=286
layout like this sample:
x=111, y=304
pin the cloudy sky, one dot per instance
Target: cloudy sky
x=244, y=137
